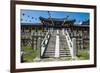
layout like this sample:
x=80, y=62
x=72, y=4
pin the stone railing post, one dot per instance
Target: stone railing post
x=57, y=54
x=74, y=47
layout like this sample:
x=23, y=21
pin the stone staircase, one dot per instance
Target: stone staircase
x=50, y=50
x=64, y=50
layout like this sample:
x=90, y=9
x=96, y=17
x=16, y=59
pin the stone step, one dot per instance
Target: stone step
x=49, y=54
x=65, y=55
x=60, y=50
x=49, y=51
x=50, y=48
x=63, y=44
x=64, y=50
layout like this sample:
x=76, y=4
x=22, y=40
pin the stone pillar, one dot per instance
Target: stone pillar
x=57, y=54
x=74, y=47
x=32, y=42
x=63, y=31
x=38, y=48
x=22, y=59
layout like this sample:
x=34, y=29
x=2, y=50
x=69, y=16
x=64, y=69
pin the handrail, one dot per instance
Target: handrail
x=44, y=43
x=44, y=38
x=70, y=43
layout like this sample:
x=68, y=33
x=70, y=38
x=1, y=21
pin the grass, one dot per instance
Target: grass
x=30, y=53
x=29, y=57
x=26, y=48
x=86, y=46
x=83, y=55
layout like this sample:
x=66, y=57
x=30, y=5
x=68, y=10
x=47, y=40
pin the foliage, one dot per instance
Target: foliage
x=29, y=57
x=26, y=48
x=29, y=53
x=83, y=54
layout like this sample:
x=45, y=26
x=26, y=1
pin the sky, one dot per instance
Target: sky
x=32, y=16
